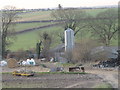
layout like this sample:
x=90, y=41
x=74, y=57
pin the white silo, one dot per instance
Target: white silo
x=69, y=40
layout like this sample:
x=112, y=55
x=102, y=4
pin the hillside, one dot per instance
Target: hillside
x=29, y=39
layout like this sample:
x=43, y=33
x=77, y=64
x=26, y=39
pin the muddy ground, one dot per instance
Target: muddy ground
x=52, y=81
x=90, y=80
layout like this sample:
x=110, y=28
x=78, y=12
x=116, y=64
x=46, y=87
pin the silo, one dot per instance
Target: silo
x=69, y=40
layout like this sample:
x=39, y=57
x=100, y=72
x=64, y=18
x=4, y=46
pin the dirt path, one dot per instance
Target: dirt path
x=110, y=77
x=84, y=84
x=96, y=76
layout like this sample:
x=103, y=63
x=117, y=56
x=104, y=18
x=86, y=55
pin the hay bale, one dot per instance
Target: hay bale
x=12, y=63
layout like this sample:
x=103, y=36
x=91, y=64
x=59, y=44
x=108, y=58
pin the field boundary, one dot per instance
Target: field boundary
x=36, y=28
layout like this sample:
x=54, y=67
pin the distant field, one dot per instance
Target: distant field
x=38, y=15
x=21, y=27
x=42, y=15
x=46, y=15
x=28, y=40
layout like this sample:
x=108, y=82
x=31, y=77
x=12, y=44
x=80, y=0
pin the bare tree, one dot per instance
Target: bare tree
x=82, y=51
x=72, y=18
x=0, y=37
x=61, y=36
x=9, y=15
x=0, y=47
x=59, y=6
x=105, y=29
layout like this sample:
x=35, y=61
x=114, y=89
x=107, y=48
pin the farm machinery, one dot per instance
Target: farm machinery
x=23, y=73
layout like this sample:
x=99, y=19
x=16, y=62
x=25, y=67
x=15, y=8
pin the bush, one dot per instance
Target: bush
x=21, y=54
x=82, y=50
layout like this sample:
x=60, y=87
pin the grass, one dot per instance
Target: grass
x=46, y=15
x=21, y=27
x=68, y=64
x=94, y=12
x=52, y=72
x=28, y=40
x=24, y=41
x=39, y=15
x=5, y=72
x=43, y=65
x=62, y=72
x=104, y=85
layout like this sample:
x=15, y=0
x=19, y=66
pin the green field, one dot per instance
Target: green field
x=28, y=40
x=23, y=26
x=38, y=15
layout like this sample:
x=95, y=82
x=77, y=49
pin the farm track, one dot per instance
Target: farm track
x=110, y=77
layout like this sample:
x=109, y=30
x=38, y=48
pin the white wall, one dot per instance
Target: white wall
x=69, y=39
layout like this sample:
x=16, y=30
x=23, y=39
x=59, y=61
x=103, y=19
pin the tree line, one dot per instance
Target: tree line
x=104, y=27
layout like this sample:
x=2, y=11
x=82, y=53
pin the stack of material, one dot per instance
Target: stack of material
x=107, y=63
x=12, y=63
x=24, y=63
x=31, y=61
x=3, y=63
